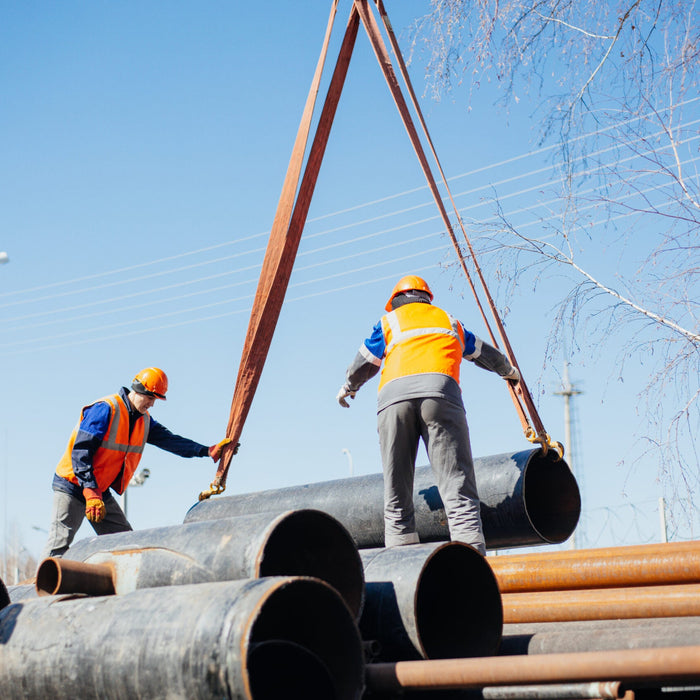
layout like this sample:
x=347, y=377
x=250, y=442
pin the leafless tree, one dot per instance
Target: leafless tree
x=615, y=86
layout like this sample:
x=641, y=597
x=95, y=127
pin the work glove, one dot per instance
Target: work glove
x=215, y=450
x=95, y=510
x=343, y=394
x=513, y=376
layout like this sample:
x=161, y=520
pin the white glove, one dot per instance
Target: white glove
x=343, y=394
x=512, y=376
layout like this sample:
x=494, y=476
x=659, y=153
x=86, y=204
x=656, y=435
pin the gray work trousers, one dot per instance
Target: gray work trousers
x=67, y=516
x=443, y=427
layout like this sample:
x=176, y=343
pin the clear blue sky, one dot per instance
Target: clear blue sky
x=143, y=148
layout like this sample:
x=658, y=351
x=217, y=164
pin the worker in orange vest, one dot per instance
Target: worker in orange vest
x=103, y=453
x=422, y=347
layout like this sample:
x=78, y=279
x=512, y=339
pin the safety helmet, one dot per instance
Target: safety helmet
x=406, y=284
x=151, y=382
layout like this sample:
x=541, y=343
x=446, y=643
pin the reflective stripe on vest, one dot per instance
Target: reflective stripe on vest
x=421, y=338
x=117, y=451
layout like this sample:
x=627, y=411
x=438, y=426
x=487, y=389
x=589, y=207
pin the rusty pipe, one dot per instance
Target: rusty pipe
x=604, y=690
x=301, y=542
x=254, y=639
x=640, y=565
x=602, y=604
x=527, y=498
x=661, y=666
x=430, y=601
x=599, y=635
x=55, y=576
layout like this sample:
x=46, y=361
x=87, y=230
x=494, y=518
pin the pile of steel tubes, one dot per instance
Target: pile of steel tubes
x=290, y=594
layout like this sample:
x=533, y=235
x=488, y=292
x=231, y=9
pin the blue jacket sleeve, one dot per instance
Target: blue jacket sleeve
x=161, y=437
x=368, y=359
x=91, y=430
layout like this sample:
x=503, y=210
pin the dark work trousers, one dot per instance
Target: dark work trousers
x=443, y=427
x=67, y=516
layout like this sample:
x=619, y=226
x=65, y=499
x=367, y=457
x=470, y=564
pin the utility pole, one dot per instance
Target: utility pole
x=568, y=391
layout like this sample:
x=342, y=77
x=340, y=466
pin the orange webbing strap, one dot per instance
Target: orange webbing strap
x=538, y=433
x=282, y=246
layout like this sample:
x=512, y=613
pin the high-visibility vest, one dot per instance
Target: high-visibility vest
x=118, y=449
x=421, y=338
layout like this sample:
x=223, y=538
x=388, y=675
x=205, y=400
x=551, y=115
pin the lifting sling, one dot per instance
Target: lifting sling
x=290, y=218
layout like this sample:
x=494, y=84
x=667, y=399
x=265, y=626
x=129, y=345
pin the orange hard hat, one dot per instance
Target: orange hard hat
x=407, y=283
x=151, y=382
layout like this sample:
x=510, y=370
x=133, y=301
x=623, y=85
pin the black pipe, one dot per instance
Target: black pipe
x=527, y=498
x=599, y=635
x=204, y=641
x=294, y=543
x=430, y=601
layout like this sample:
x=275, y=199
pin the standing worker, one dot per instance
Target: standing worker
x=103, y=453
x=419, y=397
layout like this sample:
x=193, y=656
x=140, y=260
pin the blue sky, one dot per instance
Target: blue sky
x=144, y=147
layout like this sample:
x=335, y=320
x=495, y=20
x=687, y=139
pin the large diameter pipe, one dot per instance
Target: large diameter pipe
x=599, y=635
x=602, y=604
x=659, y=666
x=276, y=637
x=430, y=601
x=302, y=542
x=640, y=565
x=527, y=498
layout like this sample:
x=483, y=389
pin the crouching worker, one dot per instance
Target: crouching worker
x=103, y=453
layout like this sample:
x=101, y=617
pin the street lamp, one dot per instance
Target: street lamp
x=346, y=451
x=136, y=480
x=4, y=258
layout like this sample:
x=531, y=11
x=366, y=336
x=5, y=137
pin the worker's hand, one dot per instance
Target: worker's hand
x=95, y=510
x=343, y=394
x=513, y=376
x=215, y=450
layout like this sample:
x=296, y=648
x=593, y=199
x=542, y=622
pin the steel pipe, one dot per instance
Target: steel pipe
x=660, y=666
x=640, y=565
x=604, y=690
x=256, y=639
x=602, y=604
x=22, y=591
x=527, y=498
x=599, y=635
x=430, y=601
x=56, y=576
x=294, y=543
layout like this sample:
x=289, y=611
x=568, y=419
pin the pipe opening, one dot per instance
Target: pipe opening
x=57, y=575
x=280, y=669
x=307, y=613
x=458, y=605
x=48, y=577
x=551, y=496
x=313, y=543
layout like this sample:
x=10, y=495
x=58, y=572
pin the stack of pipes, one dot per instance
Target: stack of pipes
x=259, y=606
x=290, y=593
x=598, y=599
